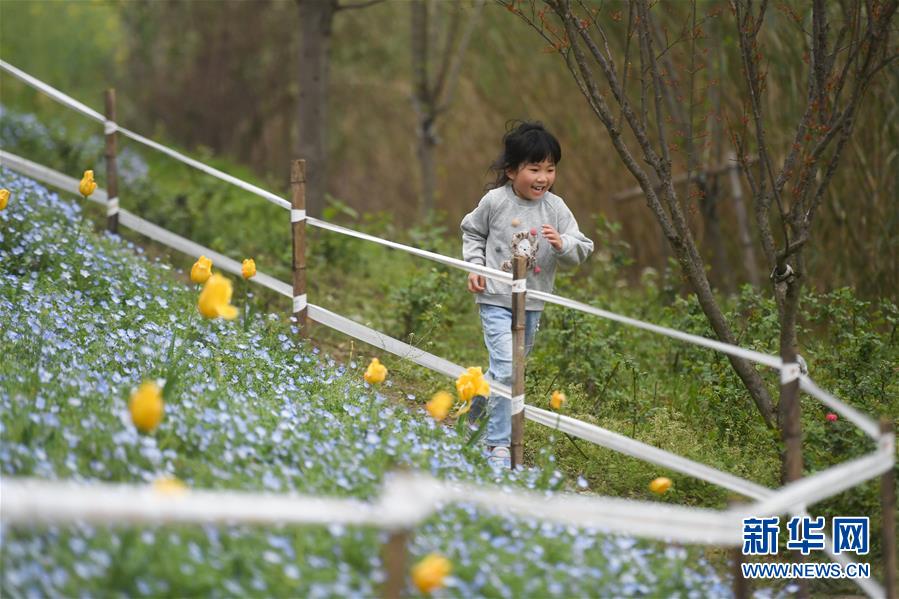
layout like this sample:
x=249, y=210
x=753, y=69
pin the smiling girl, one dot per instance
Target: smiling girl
x=519, y=216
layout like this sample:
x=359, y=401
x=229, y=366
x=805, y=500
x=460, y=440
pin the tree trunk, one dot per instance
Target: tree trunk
x=715, y=242
x=315, y=18
x=789, y=412
x=427, y=144
x=693, y=266
x=710, y=186
x=432, y=90
x=424, y=102
x=788, y=408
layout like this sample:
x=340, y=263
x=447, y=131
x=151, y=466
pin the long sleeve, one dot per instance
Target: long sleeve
x=576, y=247
x=475, y=227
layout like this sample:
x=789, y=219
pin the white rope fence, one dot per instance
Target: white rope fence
x=821, y=485
x=566, y=424
x=110, y=127
x=408, y=499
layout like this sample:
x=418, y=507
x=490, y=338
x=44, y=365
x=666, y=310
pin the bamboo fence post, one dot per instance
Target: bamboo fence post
x=112, y=169
x=298, y=229
x=519, y=278
x=888, y=509
x=395, y=553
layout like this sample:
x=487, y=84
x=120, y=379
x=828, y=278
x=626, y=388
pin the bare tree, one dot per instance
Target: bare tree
x=579, y=34
x=632, y=97
x=316, y=18
x=432, y=93
x=844, y=57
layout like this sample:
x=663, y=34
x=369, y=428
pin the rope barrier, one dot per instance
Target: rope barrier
x=583, y=430
x=492, y=273
x=647, y=453
x=827, y=483
x=405, y=501
x=748, y=354
x=278, y=201
x=54, y=93
x=109, y=126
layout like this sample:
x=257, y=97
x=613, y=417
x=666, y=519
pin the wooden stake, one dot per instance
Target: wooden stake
x=519, y=273
x=888, y=511
x=112, y=169
x=298, y=228
x=394, y=554
x=741, y=584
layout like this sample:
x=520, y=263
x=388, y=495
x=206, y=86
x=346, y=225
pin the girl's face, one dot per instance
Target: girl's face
x=532, y=179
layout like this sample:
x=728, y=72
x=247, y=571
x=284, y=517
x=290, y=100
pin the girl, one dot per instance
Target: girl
x=519, y=216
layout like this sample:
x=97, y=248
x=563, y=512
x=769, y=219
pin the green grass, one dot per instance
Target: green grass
x=85, y=319
x=674, y=396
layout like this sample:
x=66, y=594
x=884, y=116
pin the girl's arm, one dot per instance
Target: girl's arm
x=475, y=227
x=576, y=247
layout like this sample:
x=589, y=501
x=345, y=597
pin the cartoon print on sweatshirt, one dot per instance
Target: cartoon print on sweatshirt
x=524, y=243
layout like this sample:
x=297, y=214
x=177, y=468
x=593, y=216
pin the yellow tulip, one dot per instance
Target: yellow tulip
x=249, y=268
x=146, y=407
x=429, y=574
x=201, y=270
x=4, y=198
x=215, y=299
x=660, y=485
x=169, y=486
x=440, y=405
x=87, y=185
x=557, y=400
x=471, y=383
x=375, y=373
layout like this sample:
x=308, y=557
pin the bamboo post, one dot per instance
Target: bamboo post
x=394, y=553
x=888, y=509
x=519, y=278
x=112, y=169
x=298, y=229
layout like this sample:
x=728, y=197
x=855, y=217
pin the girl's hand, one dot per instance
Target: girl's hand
x=553, y=237
x=476, y=283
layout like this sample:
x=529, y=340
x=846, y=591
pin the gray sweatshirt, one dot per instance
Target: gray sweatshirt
x=504, y=224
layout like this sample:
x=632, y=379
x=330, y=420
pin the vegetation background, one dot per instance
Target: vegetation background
x=171, y=61
x=219, y=81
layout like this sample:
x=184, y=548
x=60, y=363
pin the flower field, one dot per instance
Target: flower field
x=85, y=319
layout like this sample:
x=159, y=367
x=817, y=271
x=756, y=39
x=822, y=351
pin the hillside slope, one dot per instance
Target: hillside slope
x=83, y=320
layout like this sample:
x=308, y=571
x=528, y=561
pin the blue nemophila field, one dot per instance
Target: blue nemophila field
x=84, y=319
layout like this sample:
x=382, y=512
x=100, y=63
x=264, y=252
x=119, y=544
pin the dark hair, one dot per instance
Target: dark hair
x=525, y=142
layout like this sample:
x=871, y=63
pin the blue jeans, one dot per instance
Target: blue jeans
x=497, y=324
